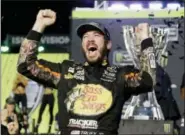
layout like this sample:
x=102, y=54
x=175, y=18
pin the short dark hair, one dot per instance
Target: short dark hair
x=10, y=100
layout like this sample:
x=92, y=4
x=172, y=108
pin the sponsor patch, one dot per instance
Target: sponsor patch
x=71, y=70
x=81, y=123
x=88, y=100
x=109, y=74
x=80, y=75
x=68, y=76
x=151, y=57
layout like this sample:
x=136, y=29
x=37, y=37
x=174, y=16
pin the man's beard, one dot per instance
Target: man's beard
x=103, y=53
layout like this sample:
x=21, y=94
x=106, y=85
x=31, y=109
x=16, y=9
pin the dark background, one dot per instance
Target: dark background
x=17, y=17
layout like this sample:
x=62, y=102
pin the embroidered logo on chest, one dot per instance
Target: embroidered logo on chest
x=80, y=75
x=75, y=73
x=88, y=99
x=109, y=74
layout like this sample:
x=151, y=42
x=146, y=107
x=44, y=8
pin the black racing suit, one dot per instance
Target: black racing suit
x=90, y=97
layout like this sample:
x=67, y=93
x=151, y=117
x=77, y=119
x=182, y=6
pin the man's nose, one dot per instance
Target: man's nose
x=91, y=38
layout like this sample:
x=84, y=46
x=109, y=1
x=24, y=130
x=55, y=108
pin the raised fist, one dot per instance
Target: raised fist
x=142, y=31
x=46, y=17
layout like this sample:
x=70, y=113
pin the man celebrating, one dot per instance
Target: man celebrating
x=90, y=95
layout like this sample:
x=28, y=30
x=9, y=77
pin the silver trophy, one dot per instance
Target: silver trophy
x=145, y=106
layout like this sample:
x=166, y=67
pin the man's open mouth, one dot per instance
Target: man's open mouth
x=92, y=48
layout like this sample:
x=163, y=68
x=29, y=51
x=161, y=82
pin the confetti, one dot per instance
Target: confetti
x=182, y=57
x=119, y=20
x=170, y=53
x=173, y=47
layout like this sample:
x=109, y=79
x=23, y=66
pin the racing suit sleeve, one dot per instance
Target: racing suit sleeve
x=39, y=70
x=183, y=81
x=182, y=87
x=141, y=81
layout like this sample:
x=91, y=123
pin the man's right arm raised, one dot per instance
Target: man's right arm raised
x=29, y=65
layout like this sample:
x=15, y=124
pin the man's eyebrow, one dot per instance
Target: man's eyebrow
x=85, y=35
x=96, y=32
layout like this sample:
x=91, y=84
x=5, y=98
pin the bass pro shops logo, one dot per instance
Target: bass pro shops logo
x=88, y=100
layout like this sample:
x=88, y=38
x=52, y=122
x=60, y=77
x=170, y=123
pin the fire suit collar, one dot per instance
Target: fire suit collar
x=103, y=63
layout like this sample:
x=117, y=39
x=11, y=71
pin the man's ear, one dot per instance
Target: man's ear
x=109, y=45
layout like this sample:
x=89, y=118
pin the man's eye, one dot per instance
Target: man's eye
x=85, y=36
x=97, y=35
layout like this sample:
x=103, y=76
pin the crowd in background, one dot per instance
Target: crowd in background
x=15, y=114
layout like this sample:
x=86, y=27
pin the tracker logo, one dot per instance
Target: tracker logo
x=79, y=123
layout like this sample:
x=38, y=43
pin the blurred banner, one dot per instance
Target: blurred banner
x=51, y=43
x=46, y=40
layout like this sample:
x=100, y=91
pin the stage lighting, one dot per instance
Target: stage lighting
x=41, y=49
x=4, y=48
x=173, y=5
x=117, y=6
x=136, y=6
x=155, y=5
